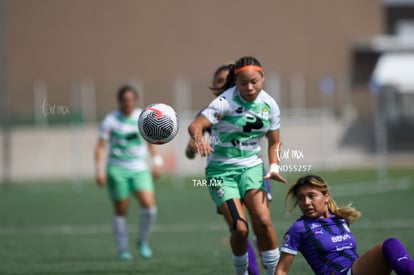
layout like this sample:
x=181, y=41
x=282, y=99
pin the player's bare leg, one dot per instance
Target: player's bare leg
x=147, y=218
x=257, y=203
x=235, y=217
x=120, y=228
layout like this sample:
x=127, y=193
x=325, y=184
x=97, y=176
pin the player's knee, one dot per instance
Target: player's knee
x=264, y=224
x=240, y=231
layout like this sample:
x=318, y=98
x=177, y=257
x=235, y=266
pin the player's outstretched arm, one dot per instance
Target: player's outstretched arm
x=284, y=264
x=196, y=133
x=273, y=138
x=157, y=161
x=191, y=149
x=100, y=175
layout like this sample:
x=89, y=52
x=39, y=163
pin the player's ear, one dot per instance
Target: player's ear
x=327, y=197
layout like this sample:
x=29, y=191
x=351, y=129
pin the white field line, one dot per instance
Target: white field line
x=374, y=187
x=343, y=190
x=181, y=228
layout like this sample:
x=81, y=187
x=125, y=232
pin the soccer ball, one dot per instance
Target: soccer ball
x=158, y=123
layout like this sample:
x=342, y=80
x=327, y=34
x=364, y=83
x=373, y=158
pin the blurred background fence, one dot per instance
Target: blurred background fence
x=60, y=139
x=343, y=102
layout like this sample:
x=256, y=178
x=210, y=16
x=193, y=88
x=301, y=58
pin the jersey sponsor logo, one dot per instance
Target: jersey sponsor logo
x=340, y=238
x=316, y=229
x=252, y=123
x=239, y=110
x=403, y=258
x=344, y=247
x=315, y=225
x=236, y=142
x=318, y=232
x=131, y=136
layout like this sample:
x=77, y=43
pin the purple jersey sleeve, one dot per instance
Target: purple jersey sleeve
x=293, y=238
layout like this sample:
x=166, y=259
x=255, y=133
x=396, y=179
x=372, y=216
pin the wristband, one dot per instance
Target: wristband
x=274, y=168
x=157, y=160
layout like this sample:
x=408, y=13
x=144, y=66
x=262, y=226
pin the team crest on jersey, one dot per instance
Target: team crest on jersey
x=265, y=113
x=219, y=192
x=286, y=239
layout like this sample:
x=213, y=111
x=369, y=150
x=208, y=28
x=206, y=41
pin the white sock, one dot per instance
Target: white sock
x=147, y=219
x=121, y=234
x=241, y=263
x=270, y=258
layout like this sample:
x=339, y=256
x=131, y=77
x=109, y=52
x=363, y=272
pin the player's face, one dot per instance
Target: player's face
x=250, y=83
x=312, y=202
x=219, y=81
x=128, y=103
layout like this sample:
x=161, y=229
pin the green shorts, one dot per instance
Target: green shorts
x=122, y=182
x=233, y=183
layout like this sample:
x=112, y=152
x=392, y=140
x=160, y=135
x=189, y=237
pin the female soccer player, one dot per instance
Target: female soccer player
x=323, y=237
x=239, y=118
x=126, y=171
x=219, y=79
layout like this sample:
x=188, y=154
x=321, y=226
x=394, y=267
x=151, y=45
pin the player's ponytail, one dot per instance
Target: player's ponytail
x=349, y=213
x=223, y=68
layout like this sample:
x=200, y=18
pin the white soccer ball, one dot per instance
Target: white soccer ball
x=158, y=123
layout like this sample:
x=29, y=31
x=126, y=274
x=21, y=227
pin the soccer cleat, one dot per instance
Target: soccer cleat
x=144, y=250
x=125, y=256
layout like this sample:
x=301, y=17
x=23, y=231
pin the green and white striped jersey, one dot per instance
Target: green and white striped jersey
x=127, y=148
x=238, y=126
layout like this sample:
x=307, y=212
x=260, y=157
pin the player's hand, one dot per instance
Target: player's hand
x=275, y=176
x=101, y=179
x=203, y=147
x=156, y=172
x=190, y=151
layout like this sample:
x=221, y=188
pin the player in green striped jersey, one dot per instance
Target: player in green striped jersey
x=240, y=117
x=126, y=171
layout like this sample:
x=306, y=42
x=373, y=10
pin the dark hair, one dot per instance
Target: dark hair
x=125, y=88
x=244, y=61
x=223, y=68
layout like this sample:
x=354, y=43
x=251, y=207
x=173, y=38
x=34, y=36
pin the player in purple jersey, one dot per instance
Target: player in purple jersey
x=323, y=237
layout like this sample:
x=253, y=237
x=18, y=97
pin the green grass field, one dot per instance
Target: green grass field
x=61, y=228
